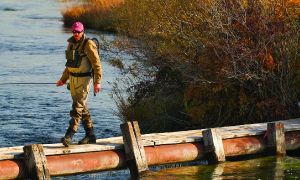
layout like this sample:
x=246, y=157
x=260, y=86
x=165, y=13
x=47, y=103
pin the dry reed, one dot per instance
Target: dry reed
x=96, y=14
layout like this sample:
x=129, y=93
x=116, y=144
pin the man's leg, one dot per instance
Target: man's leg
x=75, y=114
x=87, y=123
x=67, y=139
x=76, y=90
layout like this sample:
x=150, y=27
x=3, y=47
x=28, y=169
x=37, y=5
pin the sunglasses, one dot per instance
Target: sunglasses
x=76, y=32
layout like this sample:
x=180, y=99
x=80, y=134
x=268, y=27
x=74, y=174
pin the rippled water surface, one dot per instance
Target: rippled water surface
x=32, y=46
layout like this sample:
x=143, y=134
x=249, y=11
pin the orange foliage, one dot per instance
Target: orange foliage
x=269, y=63
x=294, y=2
x=93, y=5
x=94, y=14
x=75, y=11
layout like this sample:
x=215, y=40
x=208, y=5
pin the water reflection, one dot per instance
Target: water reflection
x=261, y=168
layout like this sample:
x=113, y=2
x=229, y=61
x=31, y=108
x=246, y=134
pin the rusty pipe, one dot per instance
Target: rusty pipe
x=162, y=154
x=12, y=169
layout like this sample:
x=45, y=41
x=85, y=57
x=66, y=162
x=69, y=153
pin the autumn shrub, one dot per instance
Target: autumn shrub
x=207, y=63
x=96, y=14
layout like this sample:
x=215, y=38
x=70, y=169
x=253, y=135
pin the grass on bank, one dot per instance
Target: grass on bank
x=96, y=14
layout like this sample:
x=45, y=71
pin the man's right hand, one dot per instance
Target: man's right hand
x=59, y=83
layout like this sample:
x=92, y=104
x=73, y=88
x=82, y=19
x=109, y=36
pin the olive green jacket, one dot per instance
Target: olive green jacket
x=92, y=60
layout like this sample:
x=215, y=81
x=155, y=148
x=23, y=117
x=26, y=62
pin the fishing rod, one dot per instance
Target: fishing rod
x=29, y=83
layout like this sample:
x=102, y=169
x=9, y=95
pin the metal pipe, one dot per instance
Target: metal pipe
x=162, y=154
x=12, y=169
x=85, y=162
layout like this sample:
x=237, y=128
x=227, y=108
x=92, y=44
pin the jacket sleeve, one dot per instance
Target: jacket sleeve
x=93, y=56
x=65, y=75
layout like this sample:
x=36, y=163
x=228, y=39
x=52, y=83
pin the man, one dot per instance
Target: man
x=83, y=62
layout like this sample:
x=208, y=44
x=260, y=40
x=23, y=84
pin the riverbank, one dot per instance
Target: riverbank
x=194, y=69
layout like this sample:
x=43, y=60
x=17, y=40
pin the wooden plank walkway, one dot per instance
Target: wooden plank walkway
x=153, y=139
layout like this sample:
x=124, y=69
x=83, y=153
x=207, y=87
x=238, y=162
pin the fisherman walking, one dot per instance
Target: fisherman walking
x=82, y=67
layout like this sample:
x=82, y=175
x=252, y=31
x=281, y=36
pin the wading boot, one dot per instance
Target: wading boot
x=89, y=138
x=67, y=139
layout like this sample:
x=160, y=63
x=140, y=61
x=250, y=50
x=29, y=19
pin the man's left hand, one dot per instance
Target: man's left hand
x=97, y=88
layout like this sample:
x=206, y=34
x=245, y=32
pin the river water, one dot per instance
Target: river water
x=32, y=46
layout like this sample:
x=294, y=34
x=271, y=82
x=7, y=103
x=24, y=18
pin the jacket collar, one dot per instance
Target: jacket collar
x=72, y=40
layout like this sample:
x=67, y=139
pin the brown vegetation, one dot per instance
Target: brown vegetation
x=215, y=62
x=95, y=14
x=206, y=63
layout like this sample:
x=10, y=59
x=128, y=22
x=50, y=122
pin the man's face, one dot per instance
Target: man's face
x=77, y=35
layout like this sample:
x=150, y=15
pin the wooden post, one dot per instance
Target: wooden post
x=276, y=138
x=134, y=149
x=213, y=146
x=36, y=162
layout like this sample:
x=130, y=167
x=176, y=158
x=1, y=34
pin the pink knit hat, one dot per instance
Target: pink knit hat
x=77, y=26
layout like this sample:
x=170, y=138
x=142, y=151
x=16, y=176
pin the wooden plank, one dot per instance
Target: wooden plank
x=140, y=146
x=213, y=146
x=152, y=139
x=134, y=149
x=36, y=162
x=276, y=138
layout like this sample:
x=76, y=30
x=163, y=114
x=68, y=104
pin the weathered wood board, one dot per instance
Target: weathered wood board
x=152, y=139
x=134, y=149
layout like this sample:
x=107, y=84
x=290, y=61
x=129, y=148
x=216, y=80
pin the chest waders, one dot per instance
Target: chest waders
x=79, y=87
x=74, y=58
